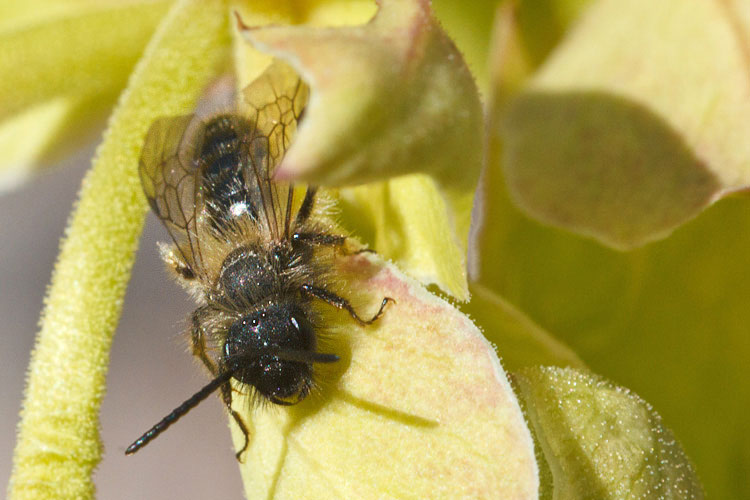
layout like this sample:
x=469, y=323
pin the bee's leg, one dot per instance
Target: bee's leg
x=226, y=396
x=334, y=240
x=198, y=341
x=281, y=402
x=176, y=263
x=307, y=205
x=342, y=303
x=311, y=238
x=363, y=250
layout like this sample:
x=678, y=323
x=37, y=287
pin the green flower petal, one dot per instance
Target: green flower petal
x=668, y=320
x=418, y=407
x=408, y=220
x=540, y=25
x=20, y=14
x=637, y=122
x=62, y=72
x=58, y=444
x=469, y=25
x=520, y=341
x=83, y=54
x=392, y=97
x=523, y=35
x=601, y=441
x=42, y=135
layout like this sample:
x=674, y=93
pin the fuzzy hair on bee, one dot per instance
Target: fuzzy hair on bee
x=257, y=255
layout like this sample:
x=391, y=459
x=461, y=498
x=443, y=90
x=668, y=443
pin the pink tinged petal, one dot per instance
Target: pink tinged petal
x=420, y=407
x=387, y=98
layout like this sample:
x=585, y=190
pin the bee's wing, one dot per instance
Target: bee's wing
x=169, y=175
x=274, y=103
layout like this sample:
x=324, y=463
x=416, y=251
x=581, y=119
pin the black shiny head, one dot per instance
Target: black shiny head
x=261, y=346
x=272, y=349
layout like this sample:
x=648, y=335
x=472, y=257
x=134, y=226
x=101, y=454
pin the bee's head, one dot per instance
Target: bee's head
x=259, y=347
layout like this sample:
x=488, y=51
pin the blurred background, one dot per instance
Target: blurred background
x=150, y=373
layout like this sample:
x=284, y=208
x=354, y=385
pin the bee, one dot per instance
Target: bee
x=253, y=258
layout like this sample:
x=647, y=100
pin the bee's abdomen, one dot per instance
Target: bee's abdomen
x=223, y=156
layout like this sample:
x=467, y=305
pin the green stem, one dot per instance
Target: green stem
x=58, y=444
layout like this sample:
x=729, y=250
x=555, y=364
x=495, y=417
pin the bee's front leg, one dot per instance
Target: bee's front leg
x=342, y=303
x=198, y=339
x=323, y=239
x=226, y=396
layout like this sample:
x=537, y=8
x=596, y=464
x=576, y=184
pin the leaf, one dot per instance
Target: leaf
x=636, y=123
x=391, y=97
x=602, y=441
x=58, y=444
x=417, y=407
x=60, y=78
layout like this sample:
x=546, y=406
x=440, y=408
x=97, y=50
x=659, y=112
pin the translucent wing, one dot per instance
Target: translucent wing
x=203, y=174
x=170, y=181
x=274, y=102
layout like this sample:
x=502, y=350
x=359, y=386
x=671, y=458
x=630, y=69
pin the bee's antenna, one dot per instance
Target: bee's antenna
x=288, y=216
x=306, y=356
x=185, y=407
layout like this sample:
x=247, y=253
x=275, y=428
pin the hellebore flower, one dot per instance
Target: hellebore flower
x=396, y=131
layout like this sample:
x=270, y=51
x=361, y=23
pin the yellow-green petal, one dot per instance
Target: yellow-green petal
x=469, y=25
x=58, y=444
x=524, y=33
x=83, y=54
x=637, y=122
x=20, y=14
x=418, y=407
x=61, y=75
x=668, y=320
x=602, y=441
x=408, y=220
x=521, y=342
x=389, y=98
